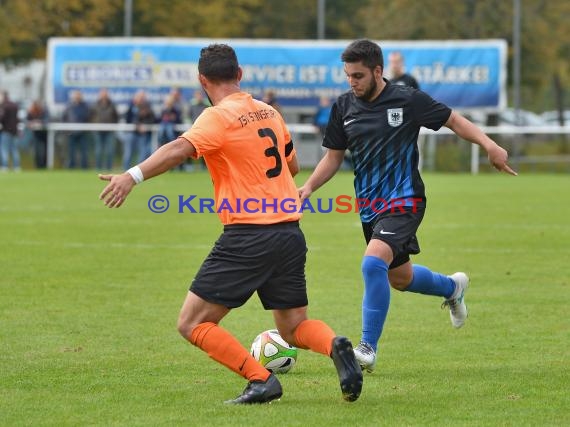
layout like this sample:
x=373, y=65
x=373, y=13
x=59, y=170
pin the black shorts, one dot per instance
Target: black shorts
x=398, y=230
x=269, y=259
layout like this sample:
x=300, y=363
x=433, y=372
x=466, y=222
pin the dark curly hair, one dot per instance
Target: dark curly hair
x=218, y=62
x=366, y=51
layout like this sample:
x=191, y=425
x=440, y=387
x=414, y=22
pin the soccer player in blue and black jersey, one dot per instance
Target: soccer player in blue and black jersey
x=379, y=123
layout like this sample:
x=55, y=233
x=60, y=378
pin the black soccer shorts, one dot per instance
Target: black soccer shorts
x=398, y=230
x=269, y=259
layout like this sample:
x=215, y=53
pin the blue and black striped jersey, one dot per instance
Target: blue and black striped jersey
x=382, y=137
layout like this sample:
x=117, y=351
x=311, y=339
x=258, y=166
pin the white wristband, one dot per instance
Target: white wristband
x=137, y=174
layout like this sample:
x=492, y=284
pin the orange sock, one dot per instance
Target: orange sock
x=315, y=335
x=224, y=348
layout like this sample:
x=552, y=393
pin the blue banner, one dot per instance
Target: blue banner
x=462, y=74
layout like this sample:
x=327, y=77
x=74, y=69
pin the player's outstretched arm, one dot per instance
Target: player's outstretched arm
x=324, y=171
x=465, y=129
x=165, y=158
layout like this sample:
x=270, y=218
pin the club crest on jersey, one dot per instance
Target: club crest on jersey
x=395, y=116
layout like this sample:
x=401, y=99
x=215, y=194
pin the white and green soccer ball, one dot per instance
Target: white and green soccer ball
x=273, y=352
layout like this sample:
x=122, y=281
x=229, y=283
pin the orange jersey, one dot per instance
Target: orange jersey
x=246, y=146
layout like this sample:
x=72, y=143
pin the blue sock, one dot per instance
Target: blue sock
x=428, y=283
x=376, y=300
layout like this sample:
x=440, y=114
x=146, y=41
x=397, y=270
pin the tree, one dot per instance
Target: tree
x=182, y=18
x=28, y=25
x=544, y=42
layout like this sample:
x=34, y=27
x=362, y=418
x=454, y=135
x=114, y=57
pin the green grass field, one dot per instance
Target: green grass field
x=89, y=299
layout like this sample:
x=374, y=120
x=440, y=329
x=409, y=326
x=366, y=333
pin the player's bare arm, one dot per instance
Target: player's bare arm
x=165, y=158
x=324, y=171
x=293, y=165
x=465, y=129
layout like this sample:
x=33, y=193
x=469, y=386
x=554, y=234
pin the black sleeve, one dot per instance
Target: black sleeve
x=288, y=148
x=428, y=112
x=335, y=137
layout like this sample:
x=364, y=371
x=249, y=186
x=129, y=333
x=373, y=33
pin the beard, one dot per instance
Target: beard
x=370, y=92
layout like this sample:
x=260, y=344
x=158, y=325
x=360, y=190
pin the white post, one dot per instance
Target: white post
x=128, y=19
x=474, y=159
x=321, y=10
x=50, y=147
x=430, y=152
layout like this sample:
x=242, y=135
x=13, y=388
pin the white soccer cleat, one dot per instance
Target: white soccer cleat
x=456, y=303
x=365, y=356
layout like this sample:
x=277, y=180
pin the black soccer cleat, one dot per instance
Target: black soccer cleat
x=348, y=369
x=259, y=392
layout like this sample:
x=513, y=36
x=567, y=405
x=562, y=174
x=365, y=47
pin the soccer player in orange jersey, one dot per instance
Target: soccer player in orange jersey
x=251, y=159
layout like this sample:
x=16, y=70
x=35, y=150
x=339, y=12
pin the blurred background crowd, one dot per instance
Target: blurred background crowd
x=25, y=129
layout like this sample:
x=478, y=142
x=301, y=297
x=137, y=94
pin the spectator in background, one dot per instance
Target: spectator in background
x=270, y=98
x=140, y=113
x=9, y=134
x=322, y=115
x=77, y=111
x=37, y=118
x=170, y=116
x=104, y=111
x=178, y=100
x=197, y=105
x=397, y=71
x=321, y=120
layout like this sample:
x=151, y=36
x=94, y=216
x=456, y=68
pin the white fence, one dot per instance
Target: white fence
x=307, y=140
x=510, y=131
x=53, y=128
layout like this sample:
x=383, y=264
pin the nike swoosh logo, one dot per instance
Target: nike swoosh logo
x=347, y=122
x=386, y=232
x=242, y=365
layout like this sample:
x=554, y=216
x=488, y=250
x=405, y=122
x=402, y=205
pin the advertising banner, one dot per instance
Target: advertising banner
x=468, y=74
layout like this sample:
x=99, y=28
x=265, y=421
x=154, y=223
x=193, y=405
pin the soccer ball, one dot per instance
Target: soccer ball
x=273, y=352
